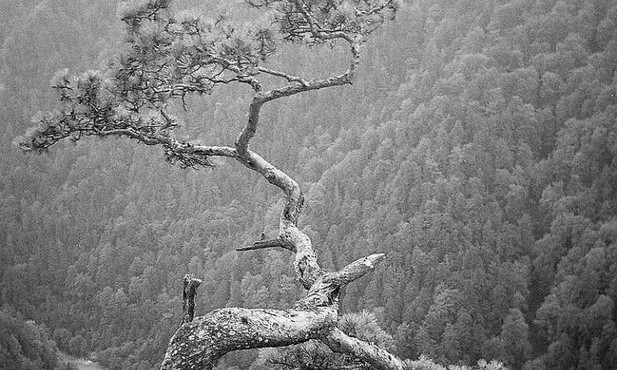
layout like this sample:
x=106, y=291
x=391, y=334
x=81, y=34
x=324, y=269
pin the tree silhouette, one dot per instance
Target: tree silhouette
x=169, y=57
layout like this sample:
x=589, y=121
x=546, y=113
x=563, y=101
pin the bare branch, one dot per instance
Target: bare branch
x=377, y=357
x=263, y=244
x=356, y=269
x=260, y=98
x=286, y=76
x=229, y=329
x=326, y=288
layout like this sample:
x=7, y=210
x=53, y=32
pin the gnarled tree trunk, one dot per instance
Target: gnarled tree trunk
x=201, y=343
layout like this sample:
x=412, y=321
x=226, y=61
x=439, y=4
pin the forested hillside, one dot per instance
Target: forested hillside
x=26, y=345
x=477, y=148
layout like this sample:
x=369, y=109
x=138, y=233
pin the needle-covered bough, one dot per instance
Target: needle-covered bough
x=170, y=56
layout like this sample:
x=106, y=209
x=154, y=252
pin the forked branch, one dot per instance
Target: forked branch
x=203, y=341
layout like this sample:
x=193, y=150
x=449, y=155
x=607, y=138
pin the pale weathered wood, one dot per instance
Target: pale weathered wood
x=377, y=357
x=202, y=342
x=199, y=344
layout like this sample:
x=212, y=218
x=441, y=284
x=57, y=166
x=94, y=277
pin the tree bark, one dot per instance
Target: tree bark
x=188, y=297
x=199, y=344
x=202, y=342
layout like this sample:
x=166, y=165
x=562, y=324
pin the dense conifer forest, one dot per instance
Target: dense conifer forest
x=477, y=148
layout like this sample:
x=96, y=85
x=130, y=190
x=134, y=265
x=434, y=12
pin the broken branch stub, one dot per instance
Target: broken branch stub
x=188, y=297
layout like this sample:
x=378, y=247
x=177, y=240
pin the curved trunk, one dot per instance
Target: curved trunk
x=202, y=342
